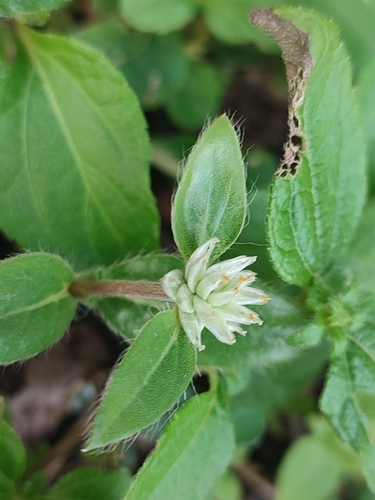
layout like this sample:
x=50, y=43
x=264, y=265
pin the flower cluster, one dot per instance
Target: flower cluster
x=214, y=297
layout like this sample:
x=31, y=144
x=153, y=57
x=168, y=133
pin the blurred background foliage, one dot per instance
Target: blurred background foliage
x=187, y=61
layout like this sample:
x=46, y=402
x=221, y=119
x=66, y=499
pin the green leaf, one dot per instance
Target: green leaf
x=366, y=94
x=228, y=487
x=127, y=316
x=148, y=381
x=319, y=190
x=228, y=21
x=355, y=23
x=313, y=466
x=158, y=16
x=361, y=255
x=368, y=465
x=7, y=488
x=271, y=386
x=35, y=305
x=90, y=482
x=159, y=71
x=351, y=372
x=9, y=8
x=191, y=454
x=211, y=197
x=12, y=454
x=198, y=99
x=68, y=119
x=309, y=336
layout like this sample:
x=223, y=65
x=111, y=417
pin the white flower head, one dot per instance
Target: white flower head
x=214, y=297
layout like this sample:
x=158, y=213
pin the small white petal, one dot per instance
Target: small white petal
x=196, y=266
x=237, y=313
x=172, y=282
x=184, y=299
x=192, y=327
x=233, y=327
x=217, y=299
x=209, y=283
x=232, y=266
x=213, y=321
x=253, y=296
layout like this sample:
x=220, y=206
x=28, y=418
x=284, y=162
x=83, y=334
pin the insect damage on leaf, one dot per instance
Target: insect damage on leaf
x=294, y=45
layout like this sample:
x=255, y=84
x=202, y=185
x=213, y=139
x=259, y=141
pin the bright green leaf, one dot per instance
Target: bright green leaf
x=191, y=454
x=319, y=189
x=68, y=118
x=199, y=97
x=35, y=305
x=151, y=377
x=158, y=16
x=351, y=373
x=228, y=487
x=9, y=8
x=211, y=197
x=12, y=453
x=92, y=483
x=127, y=316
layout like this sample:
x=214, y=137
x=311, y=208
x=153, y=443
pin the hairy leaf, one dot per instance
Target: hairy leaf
x=211, y=197
x=68, y=119
x=190, y=455
x=148, y=381
x=318, y=192
x=35, y=305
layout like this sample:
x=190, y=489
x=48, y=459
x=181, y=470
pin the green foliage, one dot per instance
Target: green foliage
x=328, y=460
x=75, y=182
x=158, y=16
x=90, y=482
x=10, y=8
x=67, y=98
x=35, y=305
x=313, y=210
x=155, y=372
x=200, y=433
x=211, y=197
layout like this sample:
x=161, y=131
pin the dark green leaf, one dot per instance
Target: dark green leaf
x=68, y=118
x=35, y=305
x=12, y=454
x=158, y=16
x=319, y=189
x=92, y=483
x=211, y=197
x=271, y=386
x=148, y=381
x=199, y=97
x=191, y=454
x=228, y=21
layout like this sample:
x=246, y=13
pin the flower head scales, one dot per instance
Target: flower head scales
x=214, y=297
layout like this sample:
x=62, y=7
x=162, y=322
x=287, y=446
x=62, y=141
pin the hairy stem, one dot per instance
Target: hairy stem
x=118, y=288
